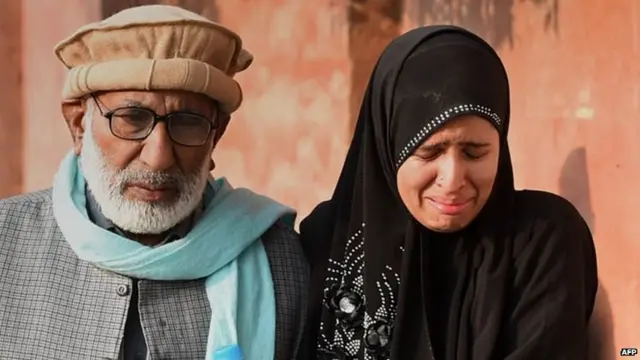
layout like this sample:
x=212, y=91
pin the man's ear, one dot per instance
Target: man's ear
x=73, y=112
x=223, y=121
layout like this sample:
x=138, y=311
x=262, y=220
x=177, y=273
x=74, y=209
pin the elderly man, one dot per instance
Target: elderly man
x=136, y=253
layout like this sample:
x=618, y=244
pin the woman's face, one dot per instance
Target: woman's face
x=447, y=180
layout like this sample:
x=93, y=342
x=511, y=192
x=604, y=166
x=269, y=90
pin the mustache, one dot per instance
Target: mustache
x=172, y=178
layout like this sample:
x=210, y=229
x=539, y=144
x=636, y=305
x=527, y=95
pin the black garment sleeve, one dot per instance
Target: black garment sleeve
x=554, y=287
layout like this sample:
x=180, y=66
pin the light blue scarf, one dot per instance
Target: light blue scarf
x=223, y=247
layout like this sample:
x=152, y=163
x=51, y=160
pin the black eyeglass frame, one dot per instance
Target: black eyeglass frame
x=156, y=119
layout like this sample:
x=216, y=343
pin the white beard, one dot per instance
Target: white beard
x=137, y=217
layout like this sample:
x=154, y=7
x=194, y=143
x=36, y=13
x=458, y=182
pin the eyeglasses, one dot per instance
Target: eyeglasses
x=137, y=123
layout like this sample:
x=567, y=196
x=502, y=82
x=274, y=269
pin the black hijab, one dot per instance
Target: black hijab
x=367, y=289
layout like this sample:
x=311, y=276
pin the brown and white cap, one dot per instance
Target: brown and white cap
x=155, y=47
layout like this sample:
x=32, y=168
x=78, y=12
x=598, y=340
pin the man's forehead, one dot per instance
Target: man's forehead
x=160, y=97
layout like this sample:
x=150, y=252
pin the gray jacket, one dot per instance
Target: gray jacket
x=56, y=306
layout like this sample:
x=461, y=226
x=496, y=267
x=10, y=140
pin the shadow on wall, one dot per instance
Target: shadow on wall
x=372, y=25
x=574, y=186
x=207, y=8
x=491, y=19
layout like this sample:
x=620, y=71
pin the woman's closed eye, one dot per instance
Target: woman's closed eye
x=474, y=153
x=430, y=152
x=468, y=151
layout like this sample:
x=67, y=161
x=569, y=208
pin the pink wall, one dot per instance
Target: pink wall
x=46, y=139
x=290, y=136
x=11, y=119
x=575, y=86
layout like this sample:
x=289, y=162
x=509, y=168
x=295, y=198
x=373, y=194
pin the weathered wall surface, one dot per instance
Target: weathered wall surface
x=290, y=136
x=575, y=86
x=45, y=137
x=11, y=119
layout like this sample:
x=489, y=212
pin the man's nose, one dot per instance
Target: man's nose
x=158, y=149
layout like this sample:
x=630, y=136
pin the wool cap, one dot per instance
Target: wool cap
x=155, y=47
